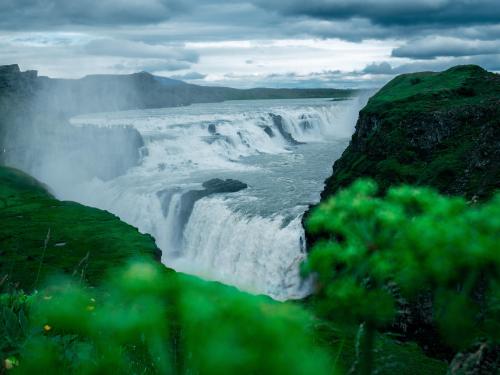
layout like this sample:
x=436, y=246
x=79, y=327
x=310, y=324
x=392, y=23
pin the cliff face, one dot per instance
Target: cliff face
x=435, y=129
x=432, y=129
x=35, y=131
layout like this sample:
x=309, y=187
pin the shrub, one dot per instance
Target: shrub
x=419, y=240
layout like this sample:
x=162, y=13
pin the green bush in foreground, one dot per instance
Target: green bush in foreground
x=146, y=320
x=420, y=241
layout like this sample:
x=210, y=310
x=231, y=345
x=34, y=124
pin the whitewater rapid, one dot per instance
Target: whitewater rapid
x=251, y=238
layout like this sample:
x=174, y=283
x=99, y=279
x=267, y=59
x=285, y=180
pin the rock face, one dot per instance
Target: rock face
x=190, y=197
x=435, y=129
x=482, y=358
x=34, y=134
x=278, y=122
x=216, y=185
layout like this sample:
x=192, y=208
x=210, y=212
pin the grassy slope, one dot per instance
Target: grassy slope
x=28, y=212
x=465, y=98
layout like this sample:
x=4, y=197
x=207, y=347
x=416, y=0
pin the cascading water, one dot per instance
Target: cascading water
x=270, y=159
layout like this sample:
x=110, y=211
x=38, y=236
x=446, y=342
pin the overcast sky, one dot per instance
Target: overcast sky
x=273, y=43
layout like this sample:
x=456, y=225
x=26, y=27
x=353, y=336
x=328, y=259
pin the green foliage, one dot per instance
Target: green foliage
x=146, y=319
x=419, y=240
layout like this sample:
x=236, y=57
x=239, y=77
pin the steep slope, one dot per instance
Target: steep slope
x=431, y=129
x=40, y=235
x=436, y=129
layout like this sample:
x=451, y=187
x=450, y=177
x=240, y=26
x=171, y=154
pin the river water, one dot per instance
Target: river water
x=283, y=150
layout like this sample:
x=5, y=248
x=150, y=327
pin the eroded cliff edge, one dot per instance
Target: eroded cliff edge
x=433, y=129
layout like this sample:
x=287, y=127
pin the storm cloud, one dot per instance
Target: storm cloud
x=432, y=47
x=250, y=42
x=53, y=13
x=443, y=13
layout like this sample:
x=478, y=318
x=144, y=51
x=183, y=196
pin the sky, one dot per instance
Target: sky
x=250, y=43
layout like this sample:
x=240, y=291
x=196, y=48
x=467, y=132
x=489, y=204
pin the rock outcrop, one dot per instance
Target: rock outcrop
x=278, y=123
x=190, y=197
x=431, y=129
x=481, y=359
x=436, y=129
x=36, y=133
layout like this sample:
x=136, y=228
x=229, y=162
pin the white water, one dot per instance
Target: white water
x=252, y=238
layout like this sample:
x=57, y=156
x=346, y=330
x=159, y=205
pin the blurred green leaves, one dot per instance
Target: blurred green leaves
x=148, y=320
x=413, y=237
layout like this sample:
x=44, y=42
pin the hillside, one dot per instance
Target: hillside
x=439, y=130
x=436, y=129
x=40, y=235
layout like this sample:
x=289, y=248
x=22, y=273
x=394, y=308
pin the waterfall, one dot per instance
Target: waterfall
x=252, y=252
x=250, y=237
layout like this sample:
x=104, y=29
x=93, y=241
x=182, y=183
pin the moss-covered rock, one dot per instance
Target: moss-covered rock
x=40, y=235
x=435, y=129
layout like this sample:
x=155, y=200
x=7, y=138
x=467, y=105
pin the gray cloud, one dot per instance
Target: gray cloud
x=123, y=36
x=378, y=68
x=393, y=12
x=126, y=48
x=50, y=13
x=432, y=47
x=151, y=66
x=489, y=62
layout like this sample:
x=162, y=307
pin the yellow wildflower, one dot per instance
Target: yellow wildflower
x=10, y=363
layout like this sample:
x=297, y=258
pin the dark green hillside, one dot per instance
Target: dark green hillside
x=437, y=129
x=40, y=235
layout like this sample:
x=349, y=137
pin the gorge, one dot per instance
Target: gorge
x=153, y=168
x=219, y=190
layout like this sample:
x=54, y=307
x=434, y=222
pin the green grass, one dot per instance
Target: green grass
x=40, y=235
x=458, y=86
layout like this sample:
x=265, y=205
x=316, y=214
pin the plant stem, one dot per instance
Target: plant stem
x=366, y=349
x=45, y=243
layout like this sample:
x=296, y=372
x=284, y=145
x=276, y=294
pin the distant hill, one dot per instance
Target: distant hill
x=102, y=93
